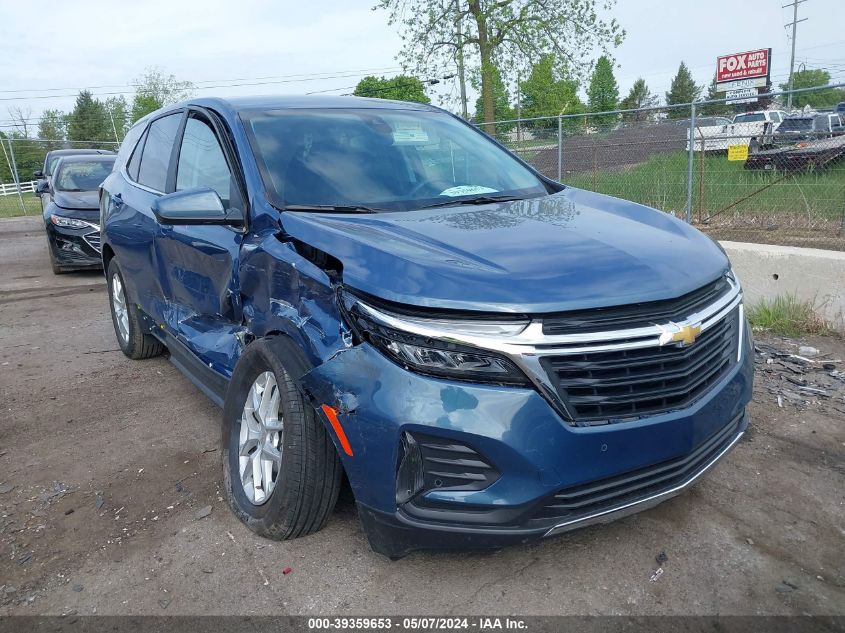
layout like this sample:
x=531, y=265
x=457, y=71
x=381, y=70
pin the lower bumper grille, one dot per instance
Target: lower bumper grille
x=589, y=499
x=614, y=385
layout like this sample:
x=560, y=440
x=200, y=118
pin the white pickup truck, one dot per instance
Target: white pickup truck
x=758, y=127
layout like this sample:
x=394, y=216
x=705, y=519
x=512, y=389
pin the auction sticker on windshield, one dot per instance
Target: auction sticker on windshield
x=466, y=190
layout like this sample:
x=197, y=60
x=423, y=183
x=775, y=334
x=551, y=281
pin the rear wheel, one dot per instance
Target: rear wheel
x=281, y=471
x=133, y=341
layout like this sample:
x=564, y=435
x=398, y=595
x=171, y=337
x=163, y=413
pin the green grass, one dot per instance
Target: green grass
x=787, y=315
x=10, y=206
x=661, y=182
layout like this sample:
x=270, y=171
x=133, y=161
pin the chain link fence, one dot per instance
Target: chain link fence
x=20, y=158
x=758, y=176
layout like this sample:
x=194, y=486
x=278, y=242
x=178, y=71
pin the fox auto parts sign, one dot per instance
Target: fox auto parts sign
x=749, y=65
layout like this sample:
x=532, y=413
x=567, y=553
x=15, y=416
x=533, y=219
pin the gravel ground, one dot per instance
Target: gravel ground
x=108, y=466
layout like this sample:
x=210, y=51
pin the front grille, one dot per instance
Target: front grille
x=453, y=465
x=609, y=386
x=93, y=240
x=637, y=314
x=588, y=499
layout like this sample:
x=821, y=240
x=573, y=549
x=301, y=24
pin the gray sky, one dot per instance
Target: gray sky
x=91, y=43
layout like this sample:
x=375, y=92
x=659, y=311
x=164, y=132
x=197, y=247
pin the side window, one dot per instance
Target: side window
x=157, y=148
x=135, y=160
x=776, y=117
x=202, y=162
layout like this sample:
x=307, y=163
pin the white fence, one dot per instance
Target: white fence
x=12, y=190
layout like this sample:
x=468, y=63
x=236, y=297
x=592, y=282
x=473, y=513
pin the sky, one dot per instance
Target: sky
x=288, y=47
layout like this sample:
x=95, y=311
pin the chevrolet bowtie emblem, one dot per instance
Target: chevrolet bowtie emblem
x=684, y=335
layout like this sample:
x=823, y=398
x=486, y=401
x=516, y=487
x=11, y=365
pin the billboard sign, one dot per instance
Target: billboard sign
x=743, y=95
x=748, y=65
x=757, y=82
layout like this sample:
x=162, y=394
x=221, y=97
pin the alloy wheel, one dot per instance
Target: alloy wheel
x=121, y=312
x=260, y=442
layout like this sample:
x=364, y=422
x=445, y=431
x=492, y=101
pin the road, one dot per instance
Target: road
x=111, y=461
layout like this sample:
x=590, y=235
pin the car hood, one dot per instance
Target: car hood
x=572, y=250
x=76, y=199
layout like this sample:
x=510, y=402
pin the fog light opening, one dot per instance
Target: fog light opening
x=409, y=474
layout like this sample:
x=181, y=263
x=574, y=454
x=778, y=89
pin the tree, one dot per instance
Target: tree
x=89, y=120
x=716, y=109
x=502, y=109
x=507, y=32
x=52, y=126
x=154, y=90
x=682, y=90
x=399, y=88
x=549, y=92
x=811, y=78
x=639, y=97
x=603, y=91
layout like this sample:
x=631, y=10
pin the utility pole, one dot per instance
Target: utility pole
x=794, y=25
x=460, y=57
x=518, y=108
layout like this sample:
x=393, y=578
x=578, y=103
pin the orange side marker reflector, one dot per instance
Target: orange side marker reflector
x=331, y=414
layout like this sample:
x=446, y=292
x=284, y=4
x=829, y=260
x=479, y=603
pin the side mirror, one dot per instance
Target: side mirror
x=38, y=175
x=195, y=206
x=42, y=187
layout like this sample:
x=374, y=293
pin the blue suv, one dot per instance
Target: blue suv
x=377, y=290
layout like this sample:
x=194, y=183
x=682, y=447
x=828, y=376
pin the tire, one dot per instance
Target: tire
x=308, y=473
x=134, y=342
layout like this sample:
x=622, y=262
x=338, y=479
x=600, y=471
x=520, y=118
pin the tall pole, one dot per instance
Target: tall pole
x=16, y=176
x=461, y=77
x=518, y=108
x=690, y=158
x=794, y=25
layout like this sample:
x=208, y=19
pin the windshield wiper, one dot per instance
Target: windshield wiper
x=476, y=200
x=334, y=208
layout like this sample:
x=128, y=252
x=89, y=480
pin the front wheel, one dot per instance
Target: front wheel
x=133, y=341
x=281, y=471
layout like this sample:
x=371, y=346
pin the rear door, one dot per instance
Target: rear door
x=132, y=227
x=200, y=262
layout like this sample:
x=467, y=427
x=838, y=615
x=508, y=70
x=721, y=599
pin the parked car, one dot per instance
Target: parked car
x=808, y=127
x=379, y=289
x=755, y=129
x=840, y=108
x=44, y=175
x=72, y=216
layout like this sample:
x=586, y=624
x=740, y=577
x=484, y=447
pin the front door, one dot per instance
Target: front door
x=200, y=262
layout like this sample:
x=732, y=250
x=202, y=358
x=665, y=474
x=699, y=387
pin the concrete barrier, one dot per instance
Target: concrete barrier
x=810, y=274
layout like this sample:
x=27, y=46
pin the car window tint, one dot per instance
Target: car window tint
x=202, y=162
x=157, y=149
x=135, y=160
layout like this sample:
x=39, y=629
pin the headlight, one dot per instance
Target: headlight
x=71, y=223
x=400, y=338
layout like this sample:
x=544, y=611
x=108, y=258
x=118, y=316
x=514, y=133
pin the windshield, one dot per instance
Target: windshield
x=82, y=175
x=749, y=118
x=796, y=125
x=380, y=158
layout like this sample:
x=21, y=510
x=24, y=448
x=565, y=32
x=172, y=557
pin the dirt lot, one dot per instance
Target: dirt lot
x=106, y=464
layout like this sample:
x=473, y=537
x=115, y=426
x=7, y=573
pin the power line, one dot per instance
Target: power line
x=209, y=87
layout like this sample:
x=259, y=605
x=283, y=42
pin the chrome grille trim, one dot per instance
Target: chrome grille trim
x=527, y=347
x=93, y=239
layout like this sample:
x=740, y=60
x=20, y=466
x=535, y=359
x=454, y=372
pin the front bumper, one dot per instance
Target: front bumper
x=74, y=248
x=398, y=534
x=542, y=463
